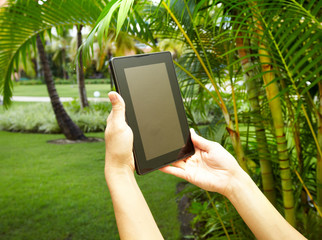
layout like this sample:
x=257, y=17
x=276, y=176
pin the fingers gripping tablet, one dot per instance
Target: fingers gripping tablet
x=154, y=109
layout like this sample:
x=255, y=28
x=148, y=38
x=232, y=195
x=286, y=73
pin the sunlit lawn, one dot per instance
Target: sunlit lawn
x=56, y=192
x=68, y=90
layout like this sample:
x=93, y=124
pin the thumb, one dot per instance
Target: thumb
x=118, y=106
x=200, y=142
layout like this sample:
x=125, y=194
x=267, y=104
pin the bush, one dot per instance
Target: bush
x=40, y=118
x=30, y=82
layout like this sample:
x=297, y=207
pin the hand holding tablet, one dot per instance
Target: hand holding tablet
x=211, y=167
x=154, y=109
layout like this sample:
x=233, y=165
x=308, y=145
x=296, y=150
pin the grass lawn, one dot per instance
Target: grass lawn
x=70, y=90
x=59, y=192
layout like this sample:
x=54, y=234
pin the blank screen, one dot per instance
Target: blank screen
x=154, y=109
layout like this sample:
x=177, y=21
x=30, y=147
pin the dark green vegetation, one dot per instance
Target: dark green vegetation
x=56, y=192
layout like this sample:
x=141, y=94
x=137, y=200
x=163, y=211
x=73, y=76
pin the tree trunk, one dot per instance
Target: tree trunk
x=263, y=152
x=68, y=127
x=109, y=57
x=63, y=56
x=319, y=159
x=272, y=91
x=80, y=71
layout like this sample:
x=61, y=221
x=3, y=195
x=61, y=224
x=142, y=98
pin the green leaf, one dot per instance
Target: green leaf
x=122, y=14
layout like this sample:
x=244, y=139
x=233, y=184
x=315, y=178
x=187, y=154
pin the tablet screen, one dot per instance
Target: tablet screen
x=157, y=120
x=154, y=109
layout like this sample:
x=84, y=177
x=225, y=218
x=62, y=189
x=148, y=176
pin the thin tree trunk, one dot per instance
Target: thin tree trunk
x=294, y=125
x=252, y=91
x=68, y=127
x=35, y=66
x=319, y=159
x=63, y=56
x=272, y=91
x=80, y=71
x=109, y=57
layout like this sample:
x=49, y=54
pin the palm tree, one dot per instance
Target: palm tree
x=253, y=96
x=284, y=46
x=21, y=23
x=68, y=127
x=319, y=155
x=80, y=71
x=272, y=91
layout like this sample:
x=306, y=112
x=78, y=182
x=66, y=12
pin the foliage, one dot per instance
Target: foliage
x=284, y=49
x=40, y=118
x=18, y=36
x=30, y=82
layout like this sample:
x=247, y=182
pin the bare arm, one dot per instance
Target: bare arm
x=214, y=169
x=258, y=213
x=133, y=217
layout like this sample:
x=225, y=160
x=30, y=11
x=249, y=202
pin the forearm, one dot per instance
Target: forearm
x=133, y=217
x=258, y=213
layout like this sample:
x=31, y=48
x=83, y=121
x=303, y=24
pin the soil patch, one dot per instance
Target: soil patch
x=67, y=141
x=185, y=217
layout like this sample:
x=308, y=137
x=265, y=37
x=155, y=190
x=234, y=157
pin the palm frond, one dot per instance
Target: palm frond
x=21, y=21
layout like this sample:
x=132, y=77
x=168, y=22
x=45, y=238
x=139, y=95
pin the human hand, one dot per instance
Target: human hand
x=212, y=167
x=118, y=139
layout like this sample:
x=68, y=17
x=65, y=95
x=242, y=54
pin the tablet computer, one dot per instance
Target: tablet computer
x=154, y=109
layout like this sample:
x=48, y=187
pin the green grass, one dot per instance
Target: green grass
x=63, y=90
x=59, y=192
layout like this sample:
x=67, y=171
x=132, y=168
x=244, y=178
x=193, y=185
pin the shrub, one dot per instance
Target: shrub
x=30, y=82
x=40, y=118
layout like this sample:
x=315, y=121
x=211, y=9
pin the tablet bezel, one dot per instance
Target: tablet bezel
x=117, y=66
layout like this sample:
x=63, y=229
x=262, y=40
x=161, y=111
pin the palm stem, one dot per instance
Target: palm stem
x=252, y=92
x=319, y=158
x=308, y=193
x=215, y=208
x=294, y=86
x=272, y=92
x=230, y=125
x=197, y=81
x=68, y=127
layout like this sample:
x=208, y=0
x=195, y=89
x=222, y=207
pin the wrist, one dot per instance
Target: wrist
x=241, y=183
x=115, y=172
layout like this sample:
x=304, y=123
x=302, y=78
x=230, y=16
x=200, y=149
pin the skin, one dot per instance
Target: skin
x=211, y=168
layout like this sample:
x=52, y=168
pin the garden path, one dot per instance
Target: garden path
x=47, y=99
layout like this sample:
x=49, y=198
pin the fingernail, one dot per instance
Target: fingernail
x=113, y=97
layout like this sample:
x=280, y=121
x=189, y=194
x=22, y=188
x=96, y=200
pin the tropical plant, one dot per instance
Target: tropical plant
x=80, y=71
x=68, y=127
x=280, y=41
x=23, y=25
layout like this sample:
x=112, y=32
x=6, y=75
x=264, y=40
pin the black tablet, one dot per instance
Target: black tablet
x=154, y=109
